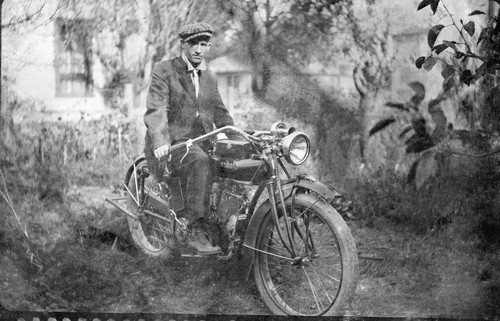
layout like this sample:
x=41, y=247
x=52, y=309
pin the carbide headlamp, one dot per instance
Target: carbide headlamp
x=296, y=148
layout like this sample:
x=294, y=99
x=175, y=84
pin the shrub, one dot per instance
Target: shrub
x=51, y=156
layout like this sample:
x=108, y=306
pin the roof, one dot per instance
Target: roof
x=226, y=64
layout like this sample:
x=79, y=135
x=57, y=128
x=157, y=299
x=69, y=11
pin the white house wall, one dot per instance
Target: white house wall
x=28, y=55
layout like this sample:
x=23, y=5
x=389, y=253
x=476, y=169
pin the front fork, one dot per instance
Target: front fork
x=276, y=196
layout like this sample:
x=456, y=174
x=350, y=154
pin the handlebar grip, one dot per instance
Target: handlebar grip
x=172, y=148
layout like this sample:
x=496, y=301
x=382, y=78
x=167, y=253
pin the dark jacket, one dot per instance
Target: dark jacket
x=171, y=105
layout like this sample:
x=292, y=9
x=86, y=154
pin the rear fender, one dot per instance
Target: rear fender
x=301, y=184
x=130, y=170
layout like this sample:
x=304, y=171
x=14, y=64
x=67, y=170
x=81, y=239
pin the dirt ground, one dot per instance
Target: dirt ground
x=391, y=283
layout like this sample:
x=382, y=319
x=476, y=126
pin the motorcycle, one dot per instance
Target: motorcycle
x=299, y=248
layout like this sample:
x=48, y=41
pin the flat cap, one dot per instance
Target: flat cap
x=193, y=30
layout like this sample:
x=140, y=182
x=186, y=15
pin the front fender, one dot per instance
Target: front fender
x=309, y=183
x=303, y=184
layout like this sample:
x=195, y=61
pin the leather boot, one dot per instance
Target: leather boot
x=200, y=242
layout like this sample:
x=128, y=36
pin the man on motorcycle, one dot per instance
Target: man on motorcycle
x=183, y=103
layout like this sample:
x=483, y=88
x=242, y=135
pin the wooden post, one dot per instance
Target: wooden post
x=65, y=156
x=40, y=150
x=94, y=155
x=120, y=142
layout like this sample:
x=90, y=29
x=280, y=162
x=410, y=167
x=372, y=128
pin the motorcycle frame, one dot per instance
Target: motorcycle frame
x=279, y=191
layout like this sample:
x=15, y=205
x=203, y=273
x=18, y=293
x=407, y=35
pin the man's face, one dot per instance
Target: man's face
x=195, y=49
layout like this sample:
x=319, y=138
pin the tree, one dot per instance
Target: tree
x=296, y=32
x=26, y=15
x=466, y=62
x=281, y=31
x=436, y=145
x=129, y=37
x=472, y=57
x=373, y=56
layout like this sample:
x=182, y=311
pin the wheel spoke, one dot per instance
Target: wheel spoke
x=275, y=241
x=329, y=276
x=315, y=295
x=131, y=195
x=269, y=253
x=149, y=233
x=303, y=238
x=309, y=284
x=154, y=238
x=323, y=286
x=136, y=185
x=306, y=210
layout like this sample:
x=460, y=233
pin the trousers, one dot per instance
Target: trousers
x=193, y=168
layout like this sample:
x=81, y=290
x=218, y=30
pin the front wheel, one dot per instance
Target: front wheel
x=321, y=277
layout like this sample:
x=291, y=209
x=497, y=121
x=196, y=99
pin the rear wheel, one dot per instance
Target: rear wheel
x=152, y=235
x=321, y=277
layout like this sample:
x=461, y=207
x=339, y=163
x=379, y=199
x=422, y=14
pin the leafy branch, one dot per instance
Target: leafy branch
x=442, y=140
x=488, y=37
x=469, y=27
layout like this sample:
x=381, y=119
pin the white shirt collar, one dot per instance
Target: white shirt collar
x=190, y=67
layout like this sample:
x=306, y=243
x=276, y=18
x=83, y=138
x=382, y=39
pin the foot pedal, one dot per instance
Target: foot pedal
x=194, y=253
x=201, y=255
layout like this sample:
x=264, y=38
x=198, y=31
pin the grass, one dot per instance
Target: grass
x=412, y=244
x=432, y=242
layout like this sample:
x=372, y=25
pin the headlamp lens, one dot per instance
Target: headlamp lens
x=299, y=149
x=296, y=148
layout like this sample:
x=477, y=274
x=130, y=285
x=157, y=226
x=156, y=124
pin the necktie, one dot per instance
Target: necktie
x=196, y=81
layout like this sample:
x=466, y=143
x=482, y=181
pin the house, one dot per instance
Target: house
x=51, y=63
x=234, y=80
x=55, y=66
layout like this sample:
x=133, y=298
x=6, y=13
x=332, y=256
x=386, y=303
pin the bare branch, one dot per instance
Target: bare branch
x=460, y=31
x=360, y=81
x=15, y=21
x=7, y=199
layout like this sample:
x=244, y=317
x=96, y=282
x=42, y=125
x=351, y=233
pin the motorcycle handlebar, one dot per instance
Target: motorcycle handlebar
x=226, y=130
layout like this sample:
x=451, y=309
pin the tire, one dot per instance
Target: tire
x=151, y=235
x=322, y=286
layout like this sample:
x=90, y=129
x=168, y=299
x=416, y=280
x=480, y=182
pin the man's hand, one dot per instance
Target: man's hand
x=161, y=151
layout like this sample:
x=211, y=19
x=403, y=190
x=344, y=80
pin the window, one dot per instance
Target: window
x=73, y=58
x=232, y=89
x=233, y=81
